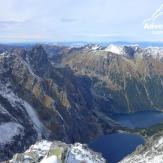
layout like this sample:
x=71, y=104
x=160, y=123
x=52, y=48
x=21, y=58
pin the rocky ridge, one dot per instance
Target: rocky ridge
x=152, y=152
x=115, y=76
x=57, y=152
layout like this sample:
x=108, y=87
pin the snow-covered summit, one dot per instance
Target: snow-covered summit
x=93, y=47
x=155, y=52
x=130, y=50
x=115, y=49
x=96, y=47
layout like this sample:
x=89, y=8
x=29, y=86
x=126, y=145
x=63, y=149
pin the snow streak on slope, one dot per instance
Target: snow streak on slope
x=8, y=131
x=32, y=114
x=14, y=99
x=79, y=153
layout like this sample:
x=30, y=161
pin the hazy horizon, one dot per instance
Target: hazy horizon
x=88, y=21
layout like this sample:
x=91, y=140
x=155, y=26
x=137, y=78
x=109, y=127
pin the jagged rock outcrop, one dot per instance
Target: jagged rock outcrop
x=57, y=152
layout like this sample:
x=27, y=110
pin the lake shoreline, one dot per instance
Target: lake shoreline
x=138, y=133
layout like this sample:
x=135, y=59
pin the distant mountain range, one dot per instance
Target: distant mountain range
x=142, y=44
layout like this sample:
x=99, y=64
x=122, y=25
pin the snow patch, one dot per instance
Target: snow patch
x=43, y=145
x=32, y=114
x=30, y=69
x=8, y=131
x=14, y=99
x=51, y=159
x=79, y=153
x=2, y=54
x=96, y=47
x=155, y=52
x=114, y=49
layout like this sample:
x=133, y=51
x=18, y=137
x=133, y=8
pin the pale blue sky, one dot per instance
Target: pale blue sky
x=78, y=20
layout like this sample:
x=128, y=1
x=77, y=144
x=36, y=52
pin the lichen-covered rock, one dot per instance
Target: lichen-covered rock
x=57, y=152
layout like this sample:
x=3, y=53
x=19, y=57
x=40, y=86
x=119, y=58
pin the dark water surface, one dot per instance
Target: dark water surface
x=140, y=119
x=114, y=147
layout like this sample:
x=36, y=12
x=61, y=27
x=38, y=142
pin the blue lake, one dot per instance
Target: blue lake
x=140, y=119
x=114, y=147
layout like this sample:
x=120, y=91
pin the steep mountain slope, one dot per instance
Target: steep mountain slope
x=38, y=100
x=127, y=81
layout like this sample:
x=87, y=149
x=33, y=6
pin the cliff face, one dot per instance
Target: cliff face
x=39, y=100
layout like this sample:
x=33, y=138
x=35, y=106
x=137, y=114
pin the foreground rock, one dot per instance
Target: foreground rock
x=152, y=152
x=57, y=152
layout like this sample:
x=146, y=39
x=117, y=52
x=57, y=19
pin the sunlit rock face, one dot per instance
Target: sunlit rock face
x=57, y=152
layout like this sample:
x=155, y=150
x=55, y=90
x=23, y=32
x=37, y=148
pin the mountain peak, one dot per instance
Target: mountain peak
x=114, y=49
x=38, y=54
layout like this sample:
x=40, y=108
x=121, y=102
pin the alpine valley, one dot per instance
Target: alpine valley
x=68, y=94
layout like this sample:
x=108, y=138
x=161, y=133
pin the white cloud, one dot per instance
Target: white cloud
x=64, y=20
